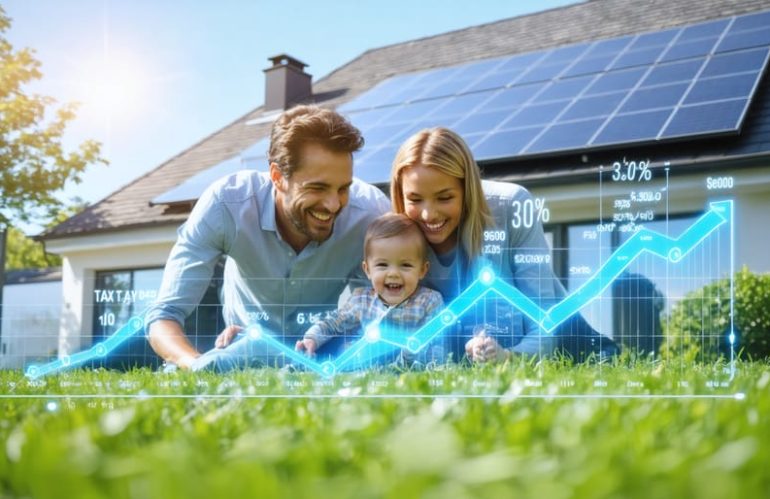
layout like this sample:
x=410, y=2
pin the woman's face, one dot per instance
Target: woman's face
x=435, y=201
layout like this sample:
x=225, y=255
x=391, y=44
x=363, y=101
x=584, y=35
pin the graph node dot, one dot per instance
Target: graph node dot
x=255, y=332
x=675, y=254
x=448, y=317
x=328, y=369
x=372, y=334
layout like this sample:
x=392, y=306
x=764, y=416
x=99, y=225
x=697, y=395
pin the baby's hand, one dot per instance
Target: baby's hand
x=306, y=345
x=483, y=348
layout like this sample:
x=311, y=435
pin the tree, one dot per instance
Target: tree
x=34, y=166
x=24, y=252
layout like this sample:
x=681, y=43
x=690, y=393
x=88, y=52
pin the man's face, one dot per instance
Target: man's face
x=309, y=201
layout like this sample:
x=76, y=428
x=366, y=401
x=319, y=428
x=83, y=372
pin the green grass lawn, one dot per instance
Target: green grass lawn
x=526, y=429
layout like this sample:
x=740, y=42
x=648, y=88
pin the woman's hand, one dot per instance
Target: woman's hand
x=483, y=348
x=227, y=335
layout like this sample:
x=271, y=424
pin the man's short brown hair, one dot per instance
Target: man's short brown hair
x=305, y=124
x=394, y=225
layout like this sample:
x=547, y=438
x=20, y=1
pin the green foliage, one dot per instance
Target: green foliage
x=33, y=163
x=191, y=435
x=699, y=324
x=23, y=252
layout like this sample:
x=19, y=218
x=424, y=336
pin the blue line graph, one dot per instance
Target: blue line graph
x=379, y=340
x=99, y=350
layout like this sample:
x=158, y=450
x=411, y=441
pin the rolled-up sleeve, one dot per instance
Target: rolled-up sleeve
x=201, y=240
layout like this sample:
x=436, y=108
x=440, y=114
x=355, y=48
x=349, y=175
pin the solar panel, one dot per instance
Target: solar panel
x=690, y=81
x=256, y=154
x=655, y=39
x=750, y=60
x=564, y=89
x=654, y=97
x=642, y=57
x=499, y=144
x=565, y=136
x=632, y=89
x=745, y=39
x=721, y=88
x=539, y=114
x=588, y=107
x=633, y=127
x=751, y=21
x=461, y=105
x=711, y=29
x=616, y=81
x=252, y=158
x=671, y=73
x=512, y=98
x=589, y=65
x=192, y=188
x=689, y=49
x=711, y=117
x=480, y=122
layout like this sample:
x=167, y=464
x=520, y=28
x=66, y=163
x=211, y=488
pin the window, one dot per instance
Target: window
x=632, y=306
x=120, y=295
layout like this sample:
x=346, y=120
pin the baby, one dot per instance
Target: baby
x=395, y=260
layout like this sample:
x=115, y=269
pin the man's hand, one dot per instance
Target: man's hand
x=483, y=348
x=227, y=335
x=169, y=341
x=306, y=345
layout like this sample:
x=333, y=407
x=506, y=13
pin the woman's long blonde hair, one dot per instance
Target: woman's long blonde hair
x=444, y=150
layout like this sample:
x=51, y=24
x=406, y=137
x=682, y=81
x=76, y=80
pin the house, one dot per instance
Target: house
x=32, y=302
x=615, y=115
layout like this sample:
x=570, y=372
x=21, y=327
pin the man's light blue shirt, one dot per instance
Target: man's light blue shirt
x=265, y=280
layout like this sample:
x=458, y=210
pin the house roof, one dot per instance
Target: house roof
x=130, y=207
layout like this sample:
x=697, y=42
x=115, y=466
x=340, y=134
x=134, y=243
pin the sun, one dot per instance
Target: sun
x=112, y=88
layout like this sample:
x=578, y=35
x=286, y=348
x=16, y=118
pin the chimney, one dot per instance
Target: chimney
x=286, y=82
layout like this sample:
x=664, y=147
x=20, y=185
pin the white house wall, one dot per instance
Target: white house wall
x=83, y=257
x=30, y=328
x=752, y=216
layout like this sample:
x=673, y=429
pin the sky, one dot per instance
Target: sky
x=153, y=77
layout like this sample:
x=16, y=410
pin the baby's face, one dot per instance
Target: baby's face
x=395, y=266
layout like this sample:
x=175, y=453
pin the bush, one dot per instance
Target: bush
x=699, y=324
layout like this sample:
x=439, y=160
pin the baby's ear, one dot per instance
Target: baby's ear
x=425, y=268
x=366, y=268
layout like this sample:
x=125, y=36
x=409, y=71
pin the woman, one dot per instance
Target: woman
x=471, y=224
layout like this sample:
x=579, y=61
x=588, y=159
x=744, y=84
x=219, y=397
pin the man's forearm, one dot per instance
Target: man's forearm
x=169, y=341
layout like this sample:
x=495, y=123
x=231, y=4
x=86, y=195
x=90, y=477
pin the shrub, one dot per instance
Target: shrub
x=699, y=324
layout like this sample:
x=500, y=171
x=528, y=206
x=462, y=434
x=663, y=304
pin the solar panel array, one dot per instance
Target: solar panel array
x=253, y=158
x=690, y=81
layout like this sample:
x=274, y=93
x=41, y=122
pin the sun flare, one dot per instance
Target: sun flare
x=114, y=89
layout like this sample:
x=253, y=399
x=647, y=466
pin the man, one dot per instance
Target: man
x=293, y=240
